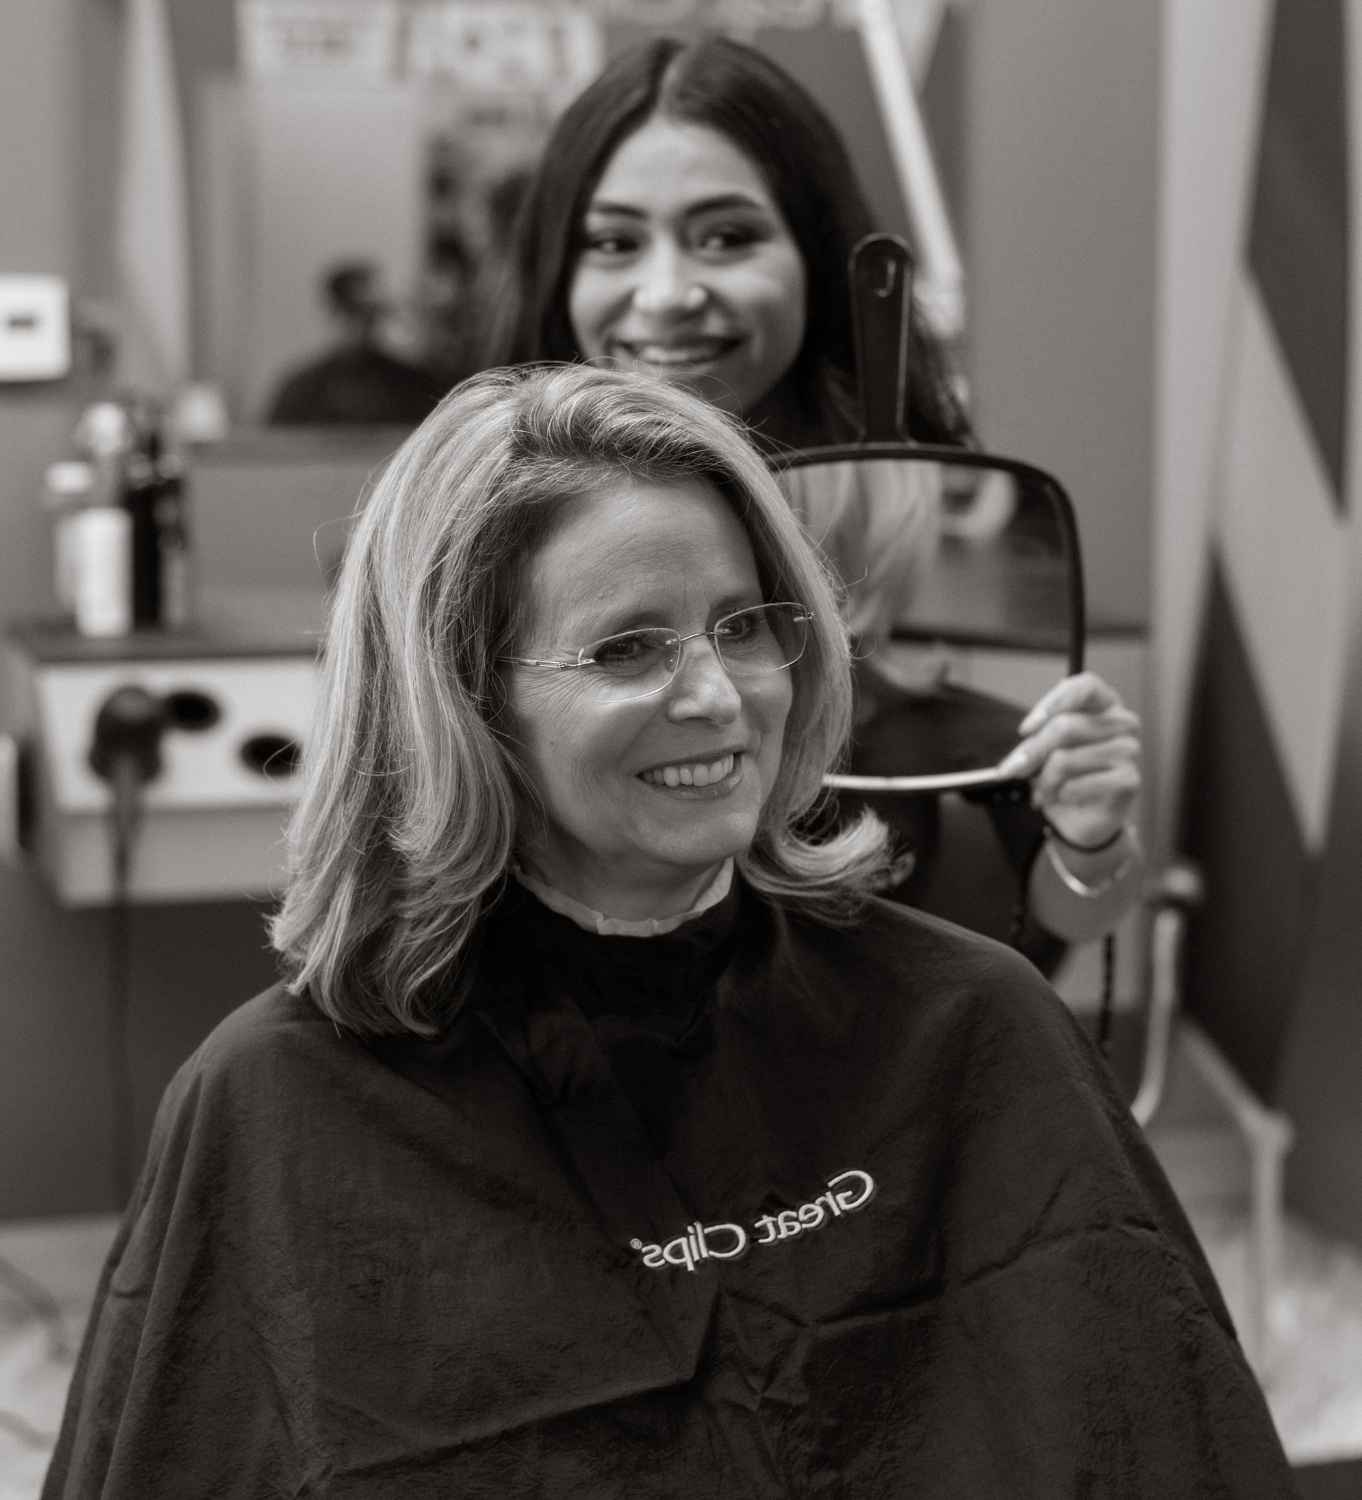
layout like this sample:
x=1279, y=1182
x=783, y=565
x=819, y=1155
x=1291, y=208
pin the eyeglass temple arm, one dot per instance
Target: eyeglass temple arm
x=539, y=661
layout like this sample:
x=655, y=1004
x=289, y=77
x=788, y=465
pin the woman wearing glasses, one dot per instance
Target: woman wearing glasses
x=607, y=1139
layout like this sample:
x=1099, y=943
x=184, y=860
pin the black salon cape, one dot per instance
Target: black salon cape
x=506, y=1263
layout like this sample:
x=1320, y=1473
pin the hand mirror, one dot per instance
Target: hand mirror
x=962, y=572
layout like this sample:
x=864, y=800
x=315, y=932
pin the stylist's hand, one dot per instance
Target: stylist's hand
x=1081, y=752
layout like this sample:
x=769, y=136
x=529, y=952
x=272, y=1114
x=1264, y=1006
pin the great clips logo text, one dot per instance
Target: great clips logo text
x=847, y=1193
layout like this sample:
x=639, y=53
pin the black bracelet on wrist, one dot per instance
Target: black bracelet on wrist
x=1107, y=843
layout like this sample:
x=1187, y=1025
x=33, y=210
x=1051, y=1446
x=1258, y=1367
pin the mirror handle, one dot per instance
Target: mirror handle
x=932, y=781
x=881, y=275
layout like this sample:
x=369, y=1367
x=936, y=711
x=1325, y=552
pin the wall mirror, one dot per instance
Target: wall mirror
x=322, y=136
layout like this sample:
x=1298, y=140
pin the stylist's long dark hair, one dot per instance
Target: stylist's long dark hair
x=745, y=97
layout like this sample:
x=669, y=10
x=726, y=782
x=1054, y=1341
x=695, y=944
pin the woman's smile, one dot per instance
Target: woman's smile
x=691, y=356
x=715, y=777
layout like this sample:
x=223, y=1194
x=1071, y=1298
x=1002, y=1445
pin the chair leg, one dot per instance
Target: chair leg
x=1176, y=892
x=1268, y=1150
x=1267, y=1136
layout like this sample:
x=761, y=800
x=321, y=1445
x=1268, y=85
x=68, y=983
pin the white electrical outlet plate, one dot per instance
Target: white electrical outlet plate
x=201, y=769
x=35, y=328
x=212, y=821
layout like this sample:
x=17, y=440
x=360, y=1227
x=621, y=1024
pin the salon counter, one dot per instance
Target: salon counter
x=232, y=698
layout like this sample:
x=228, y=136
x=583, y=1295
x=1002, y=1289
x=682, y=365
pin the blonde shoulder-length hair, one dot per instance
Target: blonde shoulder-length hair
x=412, y=791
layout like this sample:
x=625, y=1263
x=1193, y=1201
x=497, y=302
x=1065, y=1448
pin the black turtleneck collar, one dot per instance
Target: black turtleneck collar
x=658, y=984
x=586, y=1017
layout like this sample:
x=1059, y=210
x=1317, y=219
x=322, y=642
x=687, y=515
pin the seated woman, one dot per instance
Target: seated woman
x=606, y=1137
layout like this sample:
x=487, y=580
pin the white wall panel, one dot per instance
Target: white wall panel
x=1213, y=65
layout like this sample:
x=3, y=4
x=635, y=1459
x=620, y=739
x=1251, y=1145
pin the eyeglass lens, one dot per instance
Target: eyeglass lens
x=749, y=642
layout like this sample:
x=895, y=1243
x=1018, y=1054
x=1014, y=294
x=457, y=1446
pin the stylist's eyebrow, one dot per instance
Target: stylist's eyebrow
x=715, y=204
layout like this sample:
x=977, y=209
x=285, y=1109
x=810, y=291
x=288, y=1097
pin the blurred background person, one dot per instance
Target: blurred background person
x=447, y=298
x=359, y=379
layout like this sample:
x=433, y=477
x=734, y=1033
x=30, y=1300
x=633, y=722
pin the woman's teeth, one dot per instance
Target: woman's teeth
x=692, y=354
x=678, y=355
x=691, y=772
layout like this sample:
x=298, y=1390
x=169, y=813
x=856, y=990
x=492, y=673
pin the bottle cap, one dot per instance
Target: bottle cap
x=66, y=480
x=104, y=428
x=199, y=414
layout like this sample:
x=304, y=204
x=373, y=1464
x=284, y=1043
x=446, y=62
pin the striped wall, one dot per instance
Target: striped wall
x=1256, y=548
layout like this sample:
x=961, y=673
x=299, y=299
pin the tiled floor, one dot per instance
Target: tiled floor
x=48, y=1271
x=1312, y=1372
x=1312, y=1369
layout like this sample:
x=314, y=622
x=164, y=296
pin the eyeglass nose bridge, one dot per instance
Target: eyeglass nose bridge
x=734, y=672
x=677, y=655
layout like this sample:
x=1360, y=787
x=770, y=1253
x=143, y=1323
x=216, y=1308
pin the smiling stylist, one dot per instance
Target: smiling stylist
x=607, y=1139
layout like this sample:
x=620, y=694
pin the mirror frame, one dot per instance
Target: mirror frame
x=957, y=457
